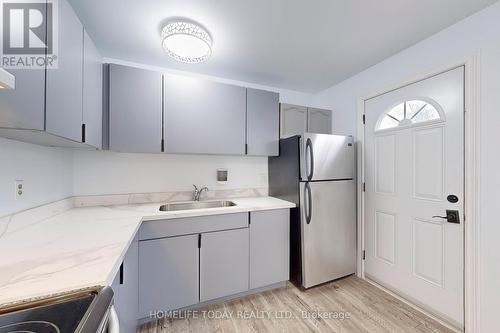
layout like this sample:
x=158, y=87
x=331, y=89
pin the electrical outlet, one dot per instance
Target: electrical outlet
x=19, y=188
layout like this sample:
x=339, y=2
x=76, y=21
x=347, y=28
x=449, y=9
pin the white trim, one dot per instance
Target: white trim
x=472, y=193
x=472, y=183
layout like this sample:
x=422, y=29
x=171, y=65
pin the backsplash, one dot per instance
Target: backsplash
x=141, y=198
x=105, y=172
x=47, y=174
x=103, y=177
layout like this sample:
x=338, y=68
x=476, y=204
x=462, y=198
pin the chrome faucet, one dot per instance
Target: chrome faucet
x=197, y=192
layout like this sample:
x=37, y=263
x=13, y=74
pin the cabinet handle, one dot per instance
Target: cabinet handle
x=121, y=273
x=83, y=133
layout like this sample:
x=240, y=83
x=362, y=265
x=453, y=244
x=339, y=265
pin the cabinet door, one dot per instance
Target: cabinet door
x=262, y=122
x=293, y=120
x=92, y=92
x=135, y=110
x=127, y=306
x=203, y=117
x=269, y=247
x=319, y=121
x=168, y=274
x=223, y=263
x=64, y=84
x=116, y=286
x=23, y=107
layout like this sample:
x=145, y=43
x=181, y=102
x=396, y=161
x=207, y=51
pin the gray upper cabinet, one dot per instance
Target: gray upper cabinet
x=23, y=107
x=168, y=274
x=296, y=120
x=293, y=120
x=64, y=84
x=223, y=263
x=203, y=117
x=319, y=121
x=48, y=106
x=92, y=93
x=199, y=116
x=135, y=110
x=269, y=247
x=262, y=123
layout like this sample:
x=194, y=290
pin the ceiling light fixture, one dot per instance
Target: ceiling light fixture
x=186, y=42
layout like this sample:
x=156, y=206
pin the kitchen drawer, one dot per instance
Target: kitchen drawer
x=192, y=225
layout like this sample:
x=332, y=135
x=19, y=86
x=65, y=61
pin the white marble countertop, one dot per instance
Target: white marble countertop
x=82, y=247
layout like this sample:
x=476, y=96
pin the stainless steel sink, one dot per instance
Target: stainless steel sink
x=195, y=205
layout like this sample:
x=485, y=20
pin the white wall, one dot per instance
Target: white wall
x=112, y=173
x=47, y=174
x=478, y=33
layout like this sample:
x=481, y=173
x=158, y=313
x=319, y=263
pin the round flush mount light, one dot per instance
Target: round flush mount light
x=186, y=41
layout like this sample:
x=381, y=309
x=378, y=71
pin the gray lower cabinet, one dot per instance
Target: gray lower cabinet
x=92, y=93
x=116, y=291
x=135, y=110
x=64, y=84
x=262, y=123
x=293, y=120
x=269, y=247
x=203, y=117
x=319, y=121
x=180, y=267
x=168, y=274
x=223, y=263
x=125, y=288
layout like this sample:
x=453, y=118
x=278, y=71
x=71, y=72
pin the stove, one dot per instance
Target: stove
x=83, y=312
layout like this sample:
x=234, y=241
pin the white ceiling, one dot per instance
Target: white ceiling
x=304, y=45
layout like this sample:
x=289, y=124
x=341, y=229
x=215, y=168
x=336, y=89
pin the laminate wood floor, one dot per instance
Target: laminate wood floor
x=346, y=305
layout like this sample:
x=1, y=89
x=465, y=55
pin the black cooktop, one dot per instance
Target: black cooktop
x=60, y=315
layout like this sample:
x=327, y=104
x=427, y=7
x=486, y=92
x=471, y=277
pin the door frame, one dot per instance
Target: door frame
x=472, y=122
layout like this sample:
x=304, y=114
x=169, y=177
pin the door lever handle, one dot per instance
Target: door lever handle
x=452, y=216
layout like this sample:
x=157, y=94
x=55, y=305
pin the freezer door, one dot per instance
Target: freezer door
x=328, y=223
x=326, y=157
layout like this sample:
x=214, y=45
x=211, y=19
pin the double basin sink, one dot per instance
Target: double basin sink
x=195, y=205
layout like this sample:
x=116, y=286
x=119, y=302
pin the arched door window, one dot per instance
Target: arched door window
x=409, y=113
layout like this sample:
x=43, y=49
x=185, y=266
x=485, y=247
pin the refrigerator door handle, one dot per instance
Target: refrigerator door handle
x=310, y=162
x=308, y=209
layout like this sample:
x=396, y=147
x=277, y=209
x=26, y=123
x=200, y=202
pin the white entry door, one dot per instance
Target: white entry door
x=414, y=171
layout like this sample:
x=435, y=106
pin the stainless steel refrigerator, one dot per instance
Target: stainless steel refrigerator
x=316, y=171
